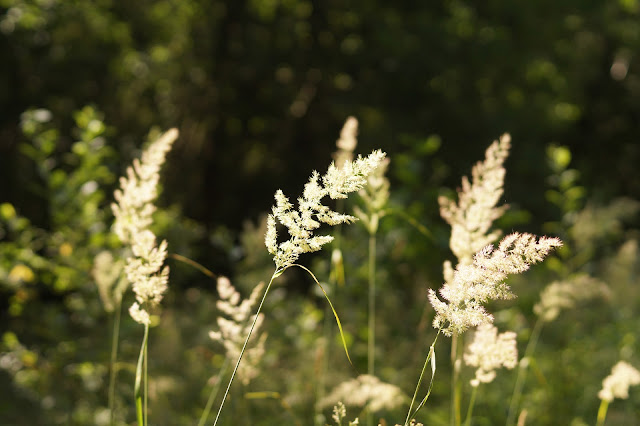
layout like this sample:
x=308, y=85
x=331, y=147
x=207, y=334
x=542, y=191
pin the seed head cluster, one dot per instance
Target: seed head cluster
x=375, y=196
x=490, y=351
x=616, y=385
x=347, y=143
x=472, y=216
x=234, y=329
x=300, y=223
x=566, y=294
x=132, y=210
x=483, y=280
x=366, y=391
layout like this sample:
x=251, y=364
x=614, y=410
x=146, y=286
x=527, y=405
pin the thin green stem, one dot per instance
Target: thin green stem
x=335, y=314
x=113, y=360
x=371, y=344
x=193, y=263
x=472, y=402
x=320, y=385
x=146, y=383
x=522, y=372
x=602, y=412
x=430, y=357
x=456, y=388
x=137, y=389
x=413, y=222
x=336, y=276
x=246, y=342
x=214, y=393
x=327, y=330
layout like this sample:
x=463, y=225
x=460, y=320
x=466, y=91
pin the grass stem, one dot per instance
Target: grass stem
x=602, y=412
x=522, y=372
x=246, y=342
x=472, y=402
x=213, y=393
x=141, y=415
x=371, y=344
x=430, y=357
x=456, y=388
x=113, y=360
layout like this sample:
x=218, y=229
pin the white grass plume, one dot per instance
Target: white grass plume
x=300, y=223
x=132, y=210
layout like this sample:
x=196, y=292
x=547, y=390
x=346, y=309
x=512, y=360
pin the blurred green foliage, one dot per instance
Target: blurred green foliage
x=259, y=90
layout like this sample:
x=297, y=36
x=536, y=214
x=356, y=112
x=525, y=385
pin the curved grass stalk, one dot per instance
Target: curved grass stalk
x=413, y=222
x=193, y=263
x=430, y=357
x=276, y=274
x=335, y=278
x=335, y=314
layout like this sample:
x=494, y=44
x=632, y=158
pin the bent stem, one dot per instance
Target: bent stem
x=193, y=263
x=335, y=314
x=522, y=372
x=430, y=357
x=141, y=413
x=214, y=393
x=277, y=273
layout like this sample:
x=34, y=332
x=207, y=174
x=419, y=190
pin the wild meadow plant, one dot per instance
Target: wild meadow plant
x=60, y=258
x=336, y=183
x=616, y=385
x=231, y=334
x=480, y=275
x=144, y=269
x=477, y=277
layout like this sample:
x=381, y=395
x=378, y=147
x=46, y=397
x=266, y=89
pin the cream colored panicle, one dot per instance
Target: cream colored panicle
x=134, y=200
x=301, y=222
x=347, y=143
x=616, y=385
x=132, y=210
x=233, y=330
x=474, y=284
x=472, y=216
x=490, y=351
x=562, y=295
x=368, y=392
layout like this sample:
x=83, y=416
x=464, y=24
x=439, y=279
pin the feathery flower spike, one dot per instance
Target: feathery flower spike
x=472, y=285
x=132, y=210
x=489, y=351
x=616, y=385
x=300, y=223
x=472, y=216
x=234, y=330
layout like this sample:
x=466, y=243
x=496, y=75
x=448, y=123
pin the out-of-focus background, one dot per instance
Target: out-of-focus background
x=259, y=90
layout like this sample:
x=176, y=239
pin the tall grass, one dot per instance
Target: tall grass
x=463, y=310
